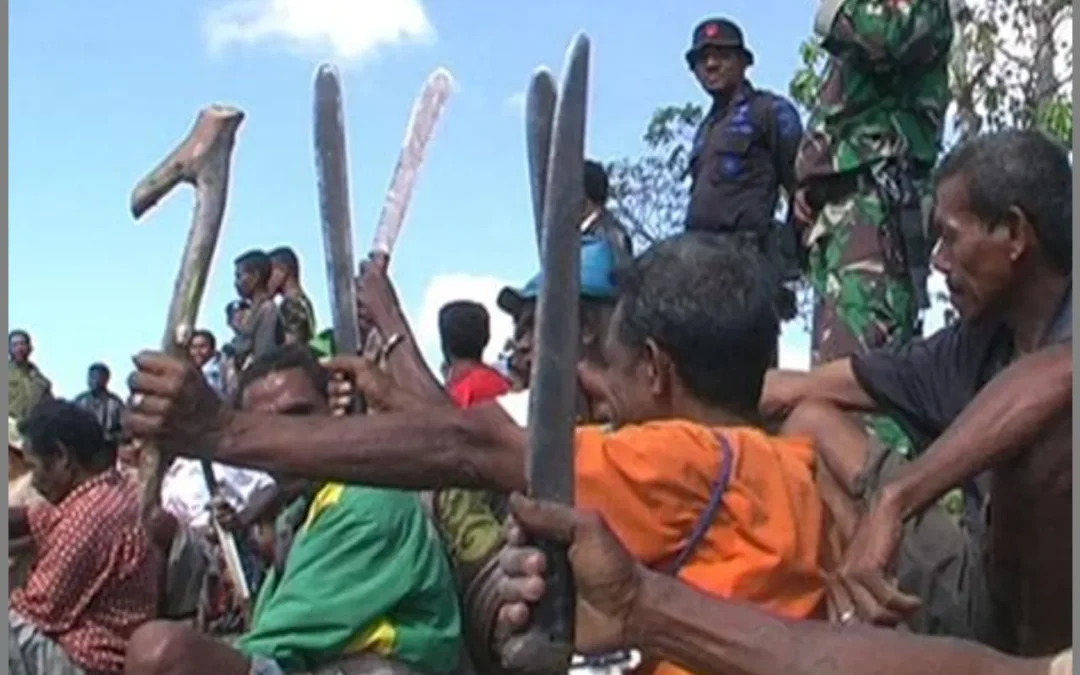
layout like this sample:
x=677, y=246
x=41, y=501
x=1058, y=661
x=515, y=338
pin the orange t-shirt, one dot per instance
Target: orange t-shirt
x=651, y=483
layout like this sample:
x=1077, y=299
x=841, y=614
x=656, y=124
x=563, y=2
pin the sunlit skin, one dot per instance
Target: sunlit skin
x=54, y=477
x=977, y=259
x=720, y=70
x=246, y=281
x=97, y=380
x=285, y=392
x=200, y=350
x=19, y=348
x=278, y=275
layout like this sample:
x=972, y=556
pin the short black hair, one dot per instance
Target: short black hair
x=235, y=306
x=464, y=330
x=258, y=262
x=99, y=367
x=18, y=332
x=709, y=302
x=55, y=426
x=1023, y=169
x=287, y=257
x=285, y=357
x=596, y=182
x=206, y=335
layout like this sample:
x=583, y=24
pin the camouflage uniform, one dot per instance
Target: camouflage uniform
x=878, y=123
x=27, y=387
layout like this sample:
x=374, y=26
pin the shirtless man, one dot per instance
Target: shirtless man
x=1004, y=209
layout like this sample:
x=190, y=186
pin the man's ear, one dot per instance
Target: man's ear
x=658, y=369
x=1020, y=231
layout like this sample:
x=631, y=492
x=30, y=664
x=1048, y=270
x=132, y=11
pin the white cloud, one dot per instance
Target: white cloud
x=346, y=29
x=447, y=288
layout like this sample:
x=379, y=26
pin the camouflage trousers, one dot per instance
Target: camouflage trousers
x=859, y=304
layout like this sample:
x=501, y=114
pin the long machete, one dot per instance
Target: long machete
x=539, y=116
x=548, y=646
x=331, y=166
x=425, y=115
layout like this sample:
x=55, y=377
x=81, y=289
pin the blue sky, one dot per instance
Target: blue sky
x=100, y=91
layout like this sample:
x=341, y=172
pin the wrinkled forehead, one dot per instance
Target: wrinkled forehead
x=288, y=391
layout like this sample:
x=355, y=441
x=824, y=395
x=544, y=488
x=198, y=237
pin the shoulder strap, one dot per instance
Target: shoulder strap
x=712, y=509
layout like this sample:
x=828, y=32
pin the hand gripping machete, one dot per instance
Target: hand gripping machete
x=201, y=159
x=549, y=644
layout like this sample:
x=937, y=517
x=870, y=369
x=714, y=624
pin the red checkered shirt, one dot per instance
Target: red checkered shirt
x=94, y=580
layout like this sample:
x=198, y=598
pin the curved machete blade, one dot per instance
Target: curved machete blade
x=539, y=117
x=425, y=115
x=331, y=166
x=548, y=645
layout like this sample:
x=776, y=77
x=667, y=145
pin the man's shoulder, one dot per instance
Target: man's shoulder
x=381, y=506
x=667, y=444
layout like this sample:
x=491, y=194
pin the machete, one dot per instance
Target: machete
x=548, y=645
x=331, y=167
x=425, y=114
x=539, y=115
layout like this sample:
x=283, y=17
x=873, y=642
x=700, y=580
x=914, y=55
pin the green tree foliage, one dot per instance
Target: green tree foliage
x=650, y=193
x=1011, y=67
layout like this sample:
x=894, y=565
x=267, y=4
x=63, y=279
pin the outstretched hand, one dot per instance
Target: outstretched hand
x=606, y=576
x=172, y=405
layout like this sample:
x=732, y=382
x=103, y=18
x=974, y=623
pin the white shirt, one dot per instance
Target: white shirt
x=184, y=493
x=516, y=404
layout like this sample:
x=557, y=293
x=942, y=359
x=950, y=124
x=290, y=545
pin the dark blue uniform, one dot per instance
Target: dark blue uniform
x=742, y=154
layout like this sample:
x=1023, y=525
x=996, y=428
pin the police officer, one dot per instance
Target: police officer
x=744, y=151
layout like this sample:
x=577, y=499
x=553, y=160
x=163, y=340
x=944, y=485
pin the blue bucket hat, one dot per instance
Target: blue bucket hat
x=596, y=281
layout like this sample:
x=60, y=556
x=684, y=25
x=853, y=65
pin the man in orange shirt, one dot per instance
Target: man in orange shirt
x=464, y=331
x=687, y=481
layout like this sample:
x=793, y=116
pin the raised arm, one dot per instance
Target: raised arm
x=420, y=449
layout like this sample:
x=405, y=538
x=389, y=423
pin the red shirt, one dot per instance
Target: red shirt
x=95, y=577
x=479, y=384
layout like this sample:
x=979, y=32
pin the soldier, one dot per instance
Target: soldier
x=744, y=150
x=27, y=386
x=863, y=171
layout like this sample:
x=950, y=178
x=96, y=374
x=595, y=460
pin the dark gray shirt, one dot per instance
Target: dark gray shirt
x=263, y=333
x=107, y=408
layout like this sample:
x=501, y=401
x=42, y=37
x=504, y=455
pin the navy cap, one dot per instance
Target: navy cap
x=721, y=33
x=596, y=281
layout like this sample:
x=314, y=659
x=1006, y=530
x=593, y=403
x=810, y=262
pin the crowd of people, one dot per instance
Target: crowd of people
x=729, y=516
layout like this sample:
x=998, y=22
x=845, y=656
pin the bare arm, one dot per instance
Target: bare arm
x=433, y=448
x=674, y=622
x=832, y=383
x=995, y=426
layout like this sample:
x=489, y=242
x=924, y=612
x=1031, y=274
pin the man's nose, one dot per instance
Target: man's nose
x=939, y=259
